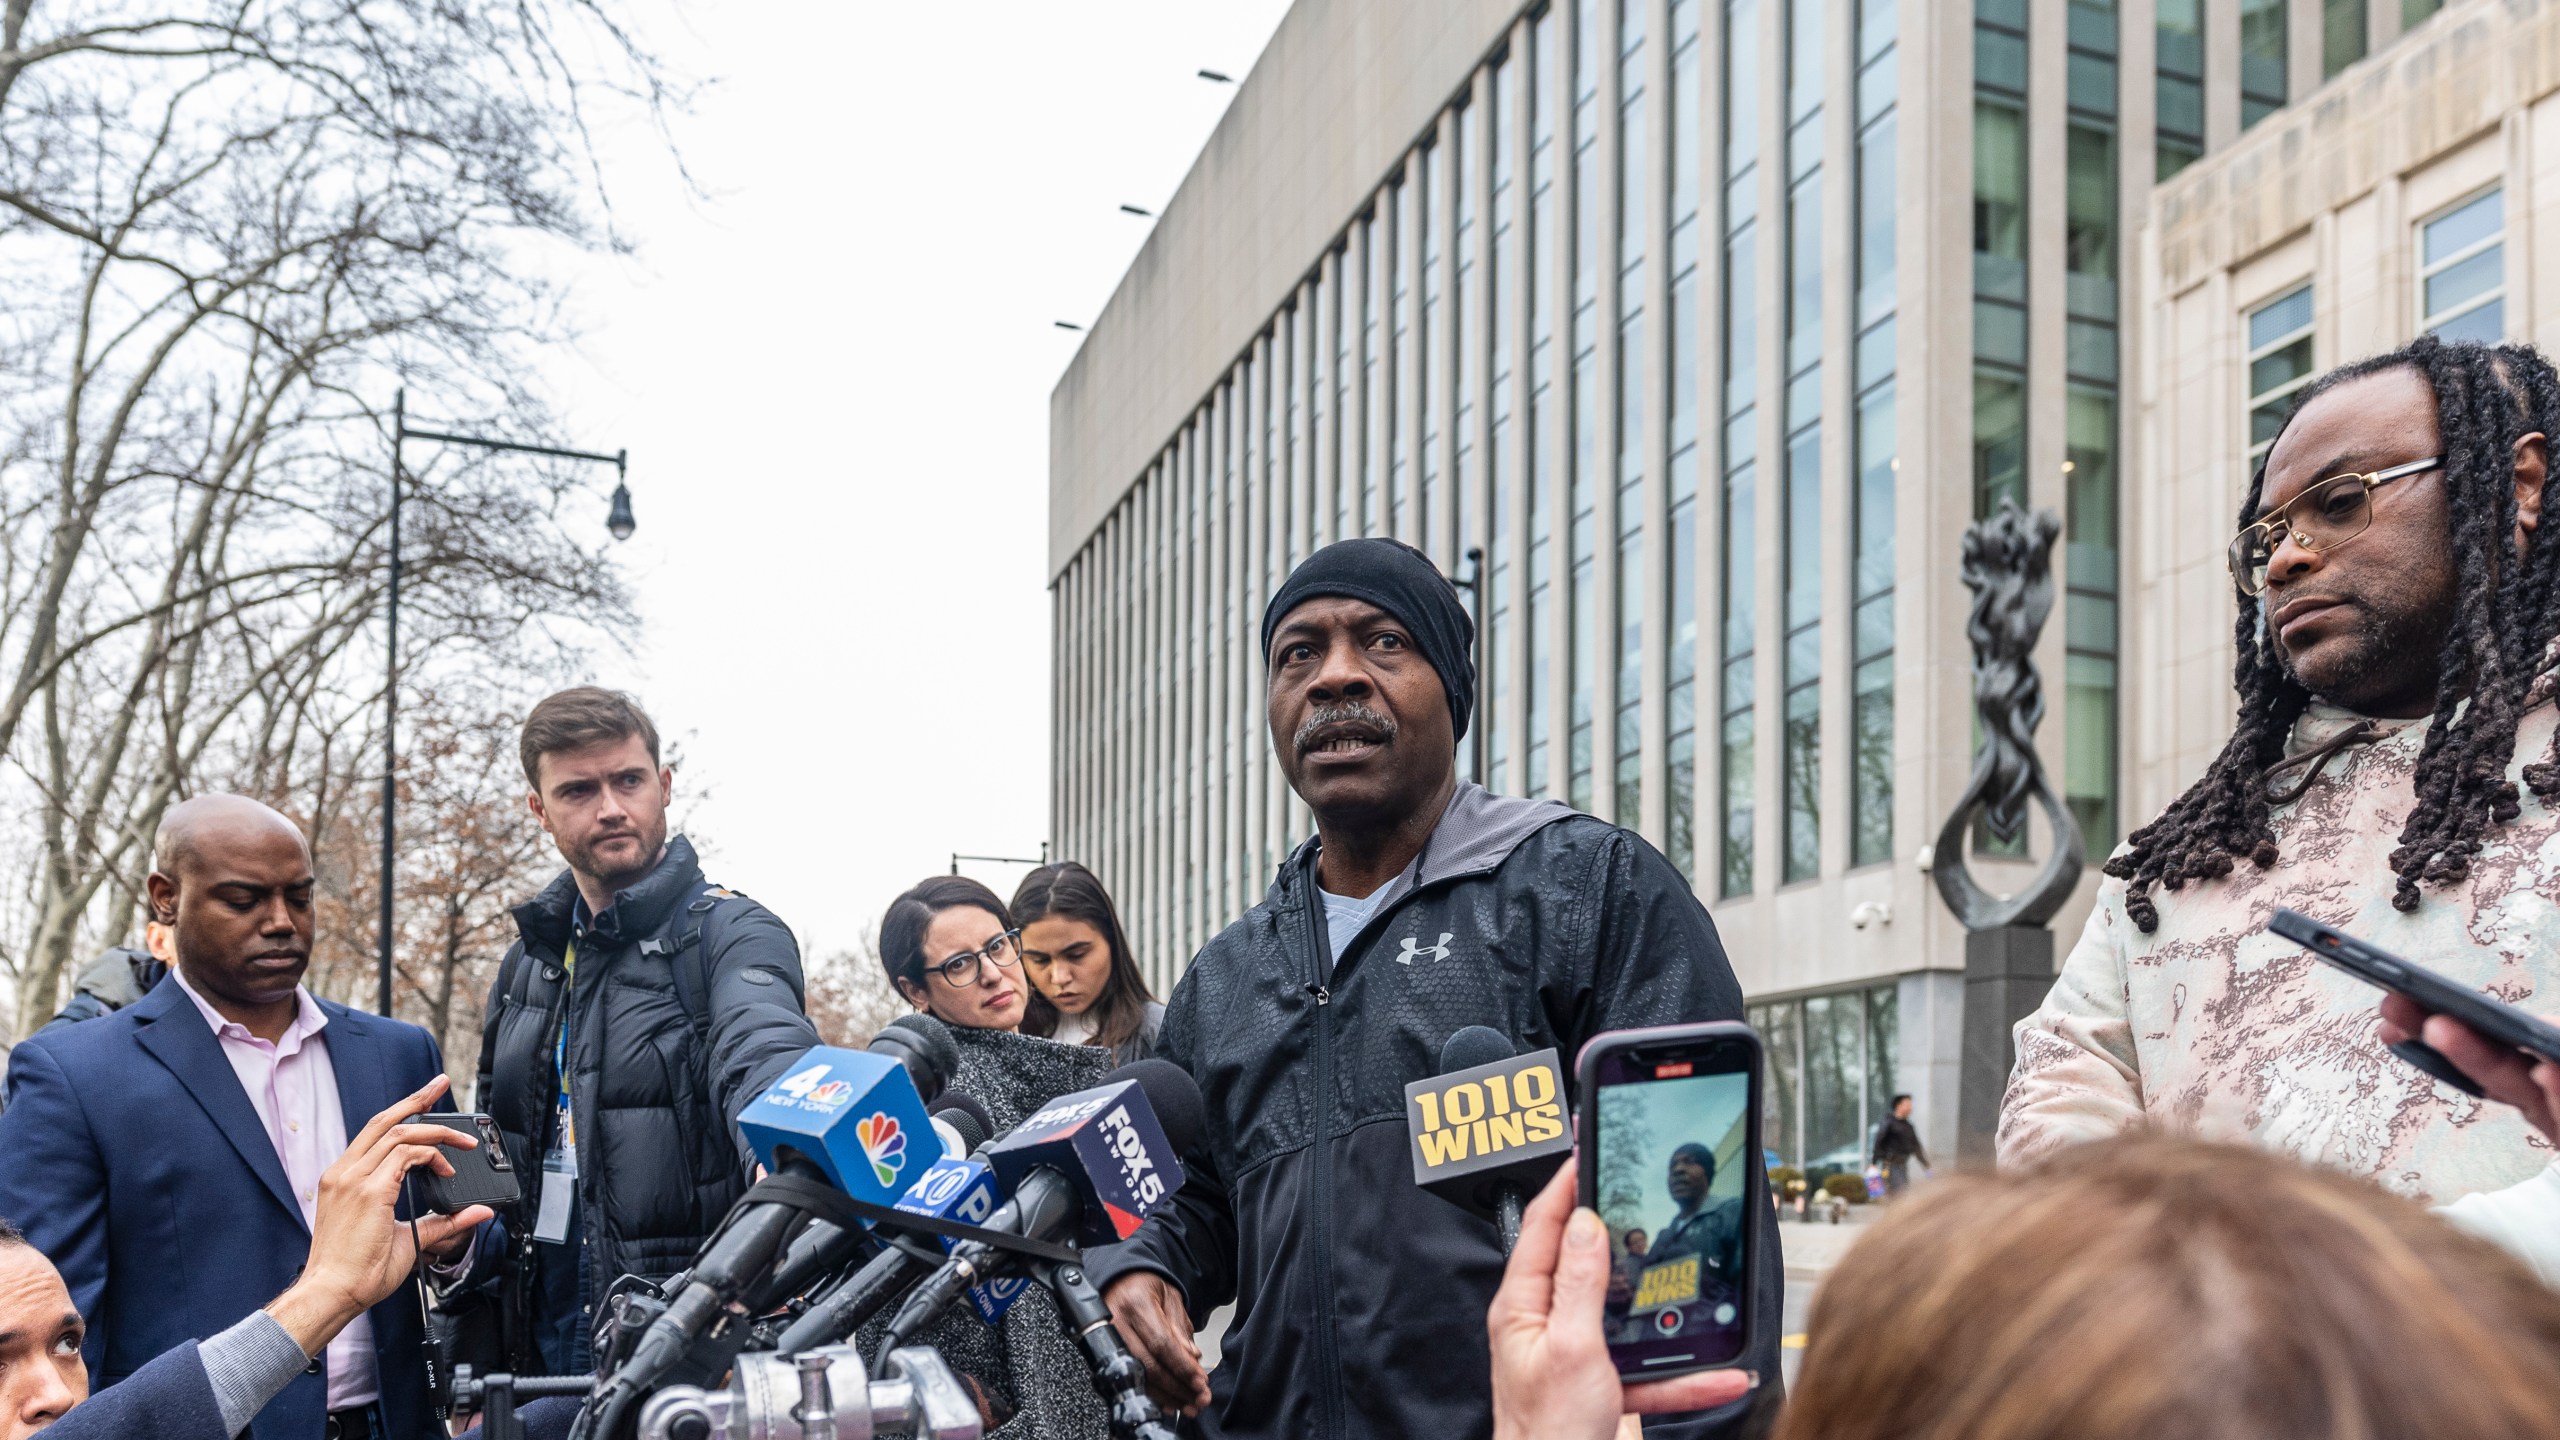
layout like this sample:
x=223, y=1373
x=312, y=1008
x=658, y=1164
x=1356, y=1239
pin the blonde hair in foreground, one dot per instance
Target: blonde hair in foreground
x=2148, y=1287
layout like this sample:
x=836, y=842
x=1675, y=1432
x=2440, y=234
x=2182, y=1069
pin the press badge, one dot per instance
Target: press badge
x=559, y=1185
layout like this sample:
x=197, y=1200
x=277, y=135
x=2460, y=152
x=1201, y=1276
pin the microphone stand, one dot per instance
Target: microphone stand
x=495, y=1397
x=1117, y=1375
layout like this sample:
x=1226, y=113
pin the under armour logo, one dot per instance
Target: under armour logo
x=1413, y=950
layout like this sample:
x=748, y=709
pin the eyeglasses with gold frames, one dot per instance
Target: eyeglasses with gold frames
x=2323, y=517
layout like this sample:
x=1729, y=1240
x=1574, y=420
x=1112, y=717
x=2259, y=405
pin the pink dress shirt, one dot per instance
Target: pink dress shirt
x=295, y=1090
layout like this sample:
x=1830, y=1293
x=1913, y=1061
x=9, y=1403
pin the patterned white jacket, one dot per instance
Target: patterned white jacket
x=2210, y=1026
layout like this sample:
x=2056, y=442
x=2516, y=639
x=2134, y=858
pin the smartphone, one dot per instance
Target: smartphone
x=2427, y=990
x=480, y=1176
x=1668, y=1124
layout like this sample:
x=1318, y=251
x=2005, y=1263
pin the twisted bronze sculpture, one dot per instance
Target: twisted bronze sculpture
x=2008, y=564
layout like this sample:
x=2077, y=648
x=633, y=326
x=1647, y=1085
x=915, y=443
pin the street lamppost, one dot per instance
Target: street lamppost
x=618, y=522
x=957, y=857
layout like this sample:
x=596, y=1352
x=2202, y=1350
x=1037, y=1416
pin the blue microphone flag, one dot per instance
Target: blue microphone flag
x=853, y=1114
x=965, y=1191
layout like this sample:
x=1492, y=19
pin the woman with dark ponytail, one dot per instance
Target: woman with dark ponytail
x=1086, y=986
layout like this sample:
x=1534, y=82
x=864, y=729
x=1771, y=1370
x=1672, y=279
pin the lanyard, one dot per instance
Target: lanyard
x=560, y=1045
x=560, y=1163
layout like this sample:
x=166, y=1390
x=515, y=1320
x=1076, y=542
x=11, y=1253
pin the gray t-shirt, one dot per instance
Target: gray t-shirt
x=1343, y=917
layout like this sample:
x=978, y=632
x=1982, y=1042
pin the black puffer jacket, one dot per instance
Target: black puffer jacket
x=1361, y=1298
x=656, y=1077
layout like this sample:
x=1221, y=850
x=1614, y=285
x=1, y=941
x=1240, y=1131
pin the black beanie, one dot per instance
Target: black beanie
x=1402, y=581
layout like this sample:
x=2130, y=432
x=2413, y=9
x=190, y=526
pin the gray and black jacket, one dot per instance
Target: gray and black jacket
x=1360, y=1298
x=686, y=1002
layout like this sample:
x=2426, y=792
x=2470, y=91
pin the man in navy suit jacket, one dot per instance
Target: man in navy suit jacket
x=361, y=1251
x=167, y=1157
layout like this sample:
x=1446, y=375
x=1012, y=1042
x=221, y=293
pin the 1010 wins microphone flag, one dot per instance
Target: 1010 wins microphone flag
x=1475, y=1129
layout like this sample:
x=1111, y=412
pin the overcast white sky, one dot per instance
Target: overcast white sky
x=833, y=377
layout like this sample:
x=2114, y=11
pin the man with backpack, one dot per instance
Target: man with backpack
x=639, y=1010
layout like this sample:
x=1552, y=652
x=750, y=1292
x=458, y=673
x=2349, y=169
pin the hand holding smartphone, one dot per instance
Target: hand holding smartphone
x=481, y=1175
x=2429, y=993
x=1669, y=1123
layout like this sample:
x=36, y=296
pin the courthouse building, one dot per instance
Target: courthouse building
x=1692, y=334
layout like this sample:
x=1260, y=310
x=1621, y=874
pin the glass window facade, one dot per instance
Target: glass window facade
x=1430, y=505
x=1878, y=465
x=2342, y=35
x=2179, y=132
x=1800, y=777
x=1832, y=1074
x=1546, y=99
x=1632, y=368
x=2279, y=364
x=1683, y=156
x=1502, y=311
x=1582, y=458
x=1738, y=786
x=1466, y=364
x=1999, y=253
x=2263, y=59
x=2462, y=274
x=2092, y=246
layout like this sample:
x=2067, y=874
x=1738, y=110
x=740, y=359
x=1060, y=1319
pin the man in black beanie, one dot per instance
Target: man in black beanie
x=1423, y=904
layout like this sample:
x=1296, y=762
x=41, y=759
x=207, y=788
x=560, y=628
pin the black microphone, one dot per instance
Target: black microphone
x=924, y=1045
x=1091, y=1165
x=1489, y=1128
x=1473, y=1046
x=967, y=1118
x=823, y=1247
x=847, y=1306
x=832, y=1119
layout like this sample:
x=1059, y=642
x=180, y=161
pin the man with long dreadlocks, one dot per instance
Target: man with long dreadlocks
x=2392, y=771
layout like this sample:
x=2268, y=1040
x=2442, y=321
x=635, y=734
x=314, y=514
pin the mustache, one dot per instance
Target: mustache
x=1311, y=731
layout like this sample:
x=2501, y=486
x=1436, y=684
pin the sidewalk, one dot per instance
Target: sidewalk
x=1813, y=1247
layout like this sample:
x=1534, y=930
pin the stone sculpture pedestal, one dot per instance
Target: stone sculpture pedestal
x=2007, y=970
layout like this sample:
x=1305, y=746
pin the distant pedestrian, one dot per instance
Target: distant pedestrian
x=1895, y=1146
x=1086, y=986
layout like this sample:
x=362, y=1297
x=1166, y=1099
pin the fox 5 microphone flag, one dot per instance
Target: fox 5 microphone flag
x=1108, y=1141
x=855, y=1115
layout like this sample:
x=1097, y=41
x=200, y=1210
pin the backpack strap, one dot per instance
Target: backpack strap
x=689, y=958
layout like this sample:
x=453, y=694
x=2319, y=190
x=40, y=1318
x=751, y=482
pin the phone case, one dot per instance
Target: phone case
x=1630, y=1362
x=480, y=1177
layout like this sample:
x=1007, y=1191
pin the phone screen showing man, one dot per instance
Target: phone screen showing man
x=1673, y=1165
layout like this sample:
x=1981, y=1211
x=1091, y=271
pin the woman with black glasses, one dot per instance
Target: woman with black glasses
x=952, y=951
